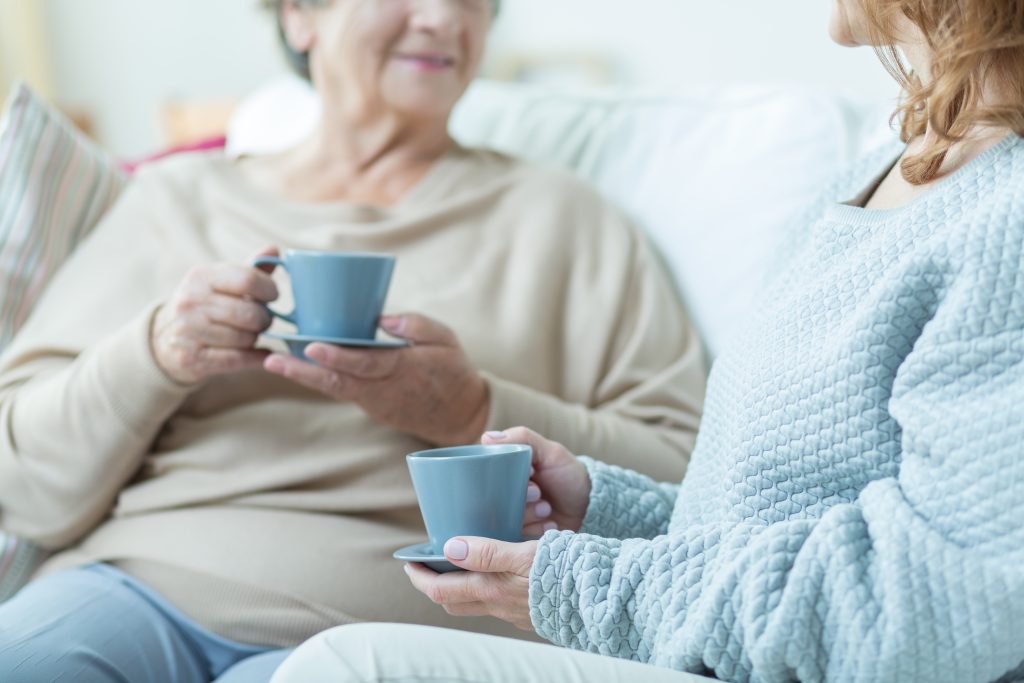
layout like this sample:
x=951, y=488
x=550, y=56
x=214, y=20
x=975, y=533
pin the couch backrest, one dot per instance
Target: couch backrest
x=714, y=176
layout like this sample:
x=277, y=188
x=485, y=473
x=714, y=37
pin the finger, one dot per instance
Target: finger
x=219, y=361
x=328, y=382
x=269, y=250
x=468, y=609
x=542, y=447
x=537, y=512
x=488, y=555
x=239, y=280
x=362, y=363
x=224, y=337
x=444, y=589
x=532, y=492
x=238, y=313
x=418, y=329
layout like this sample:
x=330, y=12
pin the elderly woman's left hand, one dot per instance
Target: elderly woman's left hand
x=496, y=583
x=429, y=390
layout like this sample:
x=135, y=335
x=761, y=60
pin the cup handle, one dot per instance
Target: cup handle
x=275, y=261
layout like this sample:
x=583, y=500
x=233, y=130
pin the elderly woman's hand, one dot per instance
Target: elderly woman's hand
x=429, y=390
x=496, y=583
x=210, y=325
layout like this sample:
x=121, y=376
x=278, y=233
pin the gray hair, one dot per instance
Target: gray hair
x=299, y=61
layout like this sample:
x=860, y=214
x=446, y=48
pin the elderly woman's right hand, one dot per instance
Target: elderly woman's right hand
x=559, y=489
x=210, y=325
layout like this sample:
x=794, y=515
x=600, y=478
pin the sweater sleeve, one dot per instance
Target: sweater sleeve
x=626, y=504
x=920, y=578
x=81, y=397
x=644, y=397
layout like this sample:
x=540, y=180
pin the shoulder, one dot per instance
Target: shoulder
x=552, y=200
x=180, y=174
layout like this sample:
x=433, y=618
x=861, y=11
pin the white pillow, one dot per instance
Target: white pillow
x=714, y=176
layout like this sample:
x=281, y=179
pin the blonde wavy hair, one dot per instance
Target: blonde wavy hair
x=975, y=44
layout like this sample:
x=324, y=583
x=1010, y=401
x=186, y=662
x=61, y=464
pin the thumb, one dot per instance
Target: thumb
x=545, y=452
x=487, y=555
x=418, y=329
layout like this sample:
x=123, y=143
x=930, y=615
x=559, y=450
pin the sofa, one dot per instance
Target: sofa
x=713, y=176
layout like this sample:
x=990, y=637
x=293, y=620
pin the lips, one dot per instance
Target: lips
x=428, y=60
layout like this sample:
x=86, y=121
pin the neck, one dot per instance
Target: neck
x=367, y=158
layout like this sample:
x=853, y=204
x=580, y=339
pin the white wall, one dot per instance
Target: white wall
x=122, y=59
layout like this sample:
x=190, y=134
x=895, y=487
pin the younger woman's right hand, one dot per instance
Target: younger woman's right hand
x=210, y=325
x=559, y=488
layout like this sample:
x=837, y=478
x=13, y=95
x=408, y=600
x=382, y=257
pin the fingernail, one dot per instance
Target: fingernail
x=496, y=436
x=532, y=495
x=392, y=323
x=550, y=526
x=274, y=363
x=408, y=569
x=456, y=549
x=543, y=509
x=314, y=352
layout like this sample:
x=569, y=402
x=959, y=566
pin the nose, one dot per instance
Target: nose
x=437, y=17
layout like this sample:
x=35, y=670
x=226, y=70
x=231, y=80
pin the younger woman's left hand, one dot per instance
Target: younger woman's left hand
x=496, y=583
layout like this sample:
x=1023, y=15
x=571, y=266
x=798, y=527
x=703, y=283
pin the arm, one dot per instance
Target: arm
x=641, y=358
x=919, y=579
x=625, y=504
x=81, y=397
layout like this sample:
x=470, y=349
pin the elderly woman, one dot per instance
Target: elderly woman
x=855, y=506
x=211, y=499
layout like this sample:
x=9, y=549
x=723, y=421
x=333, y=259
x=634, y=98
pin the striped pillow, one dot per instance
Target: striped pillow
x=54, y=186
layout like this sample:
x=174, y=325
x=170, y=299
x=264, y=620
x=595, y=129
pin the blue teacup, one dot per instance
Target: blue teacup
x=472, y=491
x=337, y=295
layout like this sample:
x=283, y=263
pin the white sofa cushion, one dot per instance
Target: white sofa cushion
x=714, y=176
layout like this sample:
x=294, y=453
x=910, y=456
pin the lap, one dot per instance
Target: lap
x=378, y=652
x=98, y=625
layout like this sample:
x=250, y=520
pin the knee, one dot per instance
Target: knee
x=28, y=654
x=358, y=652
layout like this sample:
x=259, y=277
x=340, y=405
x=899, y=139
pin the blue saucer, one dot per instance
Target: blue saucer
x=424, y=554
x=297, y=343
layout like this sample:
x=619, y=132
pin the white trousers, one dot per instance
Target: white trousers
x=393, y=653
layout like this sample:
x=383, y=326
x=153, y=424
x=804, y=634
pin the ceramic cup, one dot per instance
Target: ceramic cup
x=337, y=294
x=472, y=491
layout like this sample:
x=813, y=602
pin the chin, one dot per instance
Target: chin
x=840, y=29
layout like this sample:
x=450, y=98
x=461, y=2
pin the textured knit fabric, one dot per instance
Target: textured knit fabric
x=854, y=509
x=266, y=511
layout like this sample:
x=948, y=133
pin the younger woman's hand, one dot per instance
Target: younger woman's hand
x=559, y=489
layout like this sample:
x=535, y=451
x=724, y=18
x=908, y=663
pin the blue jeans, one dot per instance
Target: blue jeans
x=98, y=624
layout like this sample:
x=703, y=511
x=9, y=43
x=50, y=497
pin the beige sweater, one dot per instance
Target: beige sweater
x=263, y=510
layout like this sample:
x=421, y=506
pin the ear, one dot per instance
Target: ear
x=298, y=27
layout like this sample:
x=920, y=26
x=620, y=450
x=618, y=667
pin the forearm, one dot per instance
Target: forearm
x=72, y=435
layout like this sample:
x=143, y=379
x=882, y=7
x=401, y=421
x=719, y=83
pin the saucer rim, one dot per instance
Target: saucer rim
x=441, y=557
x=340, y=341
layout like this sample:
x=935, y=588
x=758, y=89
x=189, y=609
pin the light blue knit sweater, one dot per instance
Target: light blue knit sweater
x=854, y=509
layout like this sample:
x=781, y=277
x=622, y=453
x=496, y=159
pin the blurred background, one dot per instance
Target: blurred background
x=140, y=75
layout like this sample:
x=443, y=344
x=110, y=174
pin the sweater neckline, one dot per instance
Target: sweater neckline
x=419, y=193
x=858, y=215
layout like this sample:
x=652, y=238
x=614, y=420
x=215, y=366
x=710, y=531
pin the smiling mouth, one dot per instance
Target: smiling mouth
x=432, y=62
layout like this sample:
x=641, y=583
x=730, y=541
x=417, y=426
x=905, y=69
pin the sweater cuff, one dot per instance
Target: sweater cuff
x=625, y=504
x=550, y=581
x=138, y=391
